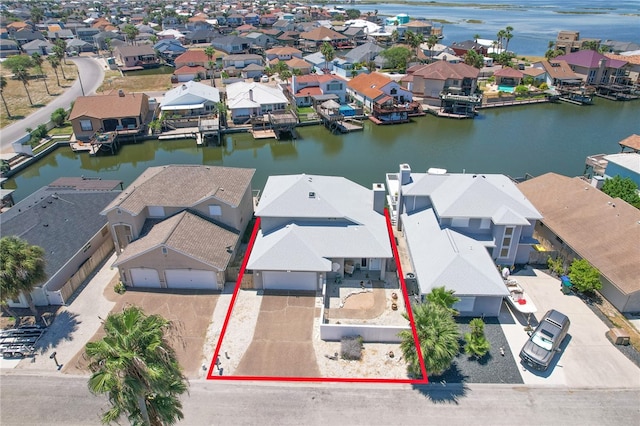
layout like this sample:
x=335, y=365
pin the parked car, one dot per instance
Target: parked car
x=256, y=78
x=264, y=79
x=545, y=340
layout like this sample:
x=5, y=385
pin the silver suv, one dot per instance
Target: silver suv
x=545, y=340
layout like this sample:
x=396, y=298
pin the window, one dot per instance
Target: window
x=460, y=222
x=504, y=252
x=363, y=262
x=156, y=211
x=215, y=210
x=394, y=91
x=485, y=223
x=86, y=125
x=465, y=304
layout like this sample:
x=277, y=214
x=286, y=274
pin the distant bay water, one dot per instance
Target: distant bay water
x=535, y=22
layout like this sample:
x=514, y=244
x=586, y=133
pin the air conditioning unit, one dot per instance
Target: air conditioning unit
x=618, y=336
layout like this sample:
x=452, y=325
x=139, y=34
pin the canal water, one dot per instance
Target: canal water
x=532, y=139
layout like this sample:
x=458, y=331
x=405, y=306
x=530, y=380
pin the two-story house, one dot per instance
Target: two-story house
x=314, y=228
x=136, y=57
x=305, y=88
x=388, y=101
x=246, y=100
x=458, y=227
x=453, y=87
x=283, y=53
x=180, y=226
x=594, y=68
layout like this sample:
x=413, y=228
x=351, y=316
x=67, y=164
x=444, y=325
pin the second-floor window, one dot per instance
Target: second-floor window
x=215, y=210
x=506, y=241
x=86, y=125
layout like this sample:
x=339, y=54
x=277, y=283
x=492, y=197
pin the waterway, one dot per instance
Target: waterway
x=532, y=139
x=534, y=22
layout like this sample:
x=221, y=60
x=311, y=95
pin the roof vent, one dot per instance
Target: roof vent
x=312, y=195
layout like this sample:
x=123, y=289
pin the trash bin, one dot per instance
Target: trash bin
x=565, y=284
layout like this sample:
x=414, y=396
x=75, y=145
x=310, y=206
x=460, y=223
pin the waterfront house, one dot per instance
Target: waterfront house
x=169, y=49
x=570, y=41
x=180, y=226
x=191, y=99
x=594, y=68
x=558, y=73
x=109, y=112
x=64, y=219
x=319, y=35
x=453, y=87
x=458, y=227
x=461, y=48
x=385, y=98
x=135, y=57
x=507, y=76
x=305, y=88
x=246, y=100
x=315, y=228
x=582, y=222
x=624, y=164
x=632, y=69
x=192, y=58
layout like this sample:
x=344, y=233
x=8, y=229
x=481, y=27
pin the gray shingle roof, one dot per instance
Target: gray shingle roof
x=61, y=221
x=183, y=186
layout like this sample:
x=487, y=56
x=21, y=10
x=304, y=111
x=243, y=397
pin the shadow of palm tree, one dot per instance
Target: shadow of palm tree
x=448, y=387
x=61, y=330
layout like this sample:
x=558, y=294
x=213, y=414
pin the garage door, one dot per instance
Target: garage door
x=190, y=278
x=145, y=277
x=289, y=280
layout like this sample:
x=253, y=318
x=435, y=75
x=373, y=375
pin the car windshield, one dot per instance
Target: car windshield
x=543, y=340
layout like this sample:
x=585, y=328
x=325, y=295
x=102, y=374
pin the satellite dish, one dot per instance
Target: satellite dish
x=335, y=267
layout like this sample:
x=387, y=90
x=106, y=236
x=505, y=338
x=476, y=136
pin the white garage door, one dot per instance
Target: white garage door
x=185, y=278
x=145, y=277
x=289, y=280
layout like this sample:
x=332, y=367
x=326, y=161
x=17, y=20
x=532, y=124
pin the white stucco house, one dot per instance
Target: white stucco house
x=458, y=228
x=191, y=98
x=246, y=100
x=317, y=227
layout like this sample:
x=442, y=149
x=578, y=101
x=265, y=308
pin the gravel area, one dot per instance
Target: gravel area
x=493, y=367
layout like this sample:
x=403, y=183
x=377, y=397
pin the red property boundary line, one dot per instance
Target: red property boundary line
x=211, y=376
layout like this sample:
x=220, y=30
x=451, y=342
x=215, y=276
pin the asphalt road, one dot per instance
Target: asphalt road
x=64, y=400
x=91, y=74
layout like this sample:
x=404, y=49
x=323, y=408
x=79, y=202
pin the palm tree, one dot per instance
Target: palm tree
x=22, y=74
x=60, y=49
x=55, y=63
x=476, y=37
x=3, y=84
x=395, y=36
x=137, y=369
x=131, y=32
x=432, y=40
x=209, y=51
x=500, y=37
x=327, y=51
x=21, y=269
x=508, y=36
x=443, y=297
x=438, y=335
x=37, y=62
x=477, y=344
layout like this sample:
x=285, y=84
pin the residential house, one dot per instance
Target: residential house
x=625, y=165
x=305, y=88
x=457, y=227
x=364, y=53
x=283, y=25
x=440, y=52
x=319, y=35
x=558, y=73
x=268, y=20
x=200, y=36
x=235, y=20
x=632, y=69
x=594, y=68
x=42, y=47
x=289, y=38
x=582, y=222
x=538, y=75
x=252, y=19
x=189, y=73
x=451, y=86
x=507, y=76
x=246, y=100
x=299, y=64
x=570, y=41
x=26, y=35
x=136, y=57
x=109, y=112
x=283, y=53
x=315, y=228
x=8, y=48
x=114, y=40
x=192, y=58
x=170, y=34
x=191, y=98
x=260, y=40
x=461, y=48
x=180, y=226
x=241, y=61
x=388, y=101
x=77, y=46
x=231, y=44
x=169, y=49
x=419, y=27
x=60, y=34
x=64, y=219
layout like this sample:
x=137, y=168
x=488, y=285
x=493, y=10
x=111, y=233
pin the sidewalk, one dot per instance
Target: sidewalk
x=73, y=326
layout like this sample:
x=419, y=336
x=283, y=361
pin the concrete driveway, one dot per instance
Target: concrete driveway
x=282, y=343
x=587, y=358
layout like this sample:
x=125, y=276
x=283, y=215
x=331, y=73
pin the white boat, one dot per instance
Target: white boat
x=519, y=299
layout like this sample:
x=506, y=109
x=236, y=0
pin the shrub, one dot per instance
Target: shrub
x=59, y=116
x=477, y=344
x=556, y=266
x=521, y=89
x=119, y=287
x=543, y=86
x=584, y=277
x=351, y=348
